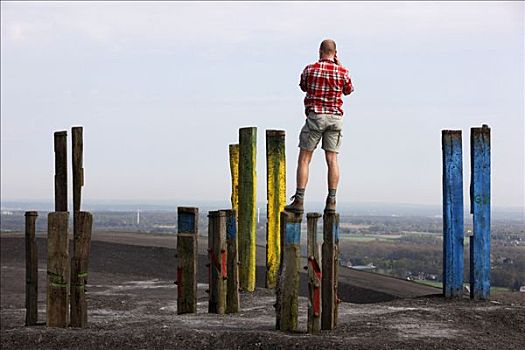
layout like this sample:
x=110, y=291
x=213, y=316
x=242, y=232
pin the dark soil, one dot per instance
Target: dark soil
x=132, y=304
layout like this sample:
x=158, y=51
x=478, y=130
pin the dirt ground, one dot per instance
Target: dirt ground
x=132, y=304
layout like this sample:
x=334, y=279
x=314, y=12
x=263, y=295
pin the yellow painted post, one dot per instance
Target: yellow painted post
x=247, y=207
x=276, y=195
x=234, y=169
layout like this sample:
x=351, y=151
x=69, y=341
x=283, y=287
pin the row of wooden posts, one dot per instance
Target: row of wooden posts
x=66, y=278
x=232, y=250
x=453, y=209
x=223, y=267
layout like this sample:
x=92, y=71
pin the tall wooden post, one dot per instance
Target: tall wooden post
x=78, y=170
x=188, y=228
x=60, y=171
x=31, y=269
x=282, y=229
x=247, y=207
x=232, y=283
x=480, y=207
x=289, y=278
x=276, y=196
x=79, y=267
x=217, y=261
x=329, y=271
x=314, y=274
x=57, y=269
x=234, y=170
x=453, y=230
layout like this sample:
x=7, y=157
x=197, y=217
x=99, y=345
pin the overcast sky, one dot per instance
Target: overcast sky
x=162, y=88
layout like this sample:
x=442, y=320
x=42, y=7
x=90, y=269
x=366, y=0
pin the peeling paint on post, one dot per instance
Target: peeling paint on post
x=247, y=207
x=188, y=230
x=276, y=196
x=31, y=269
x=288, y=298
x=232, y=283
x=217, y=261
x=329, y=271
x=57, y=269
x=79, y=267
x=480, y=208
x=453, y=229
x=314, y=274
x=234, y=171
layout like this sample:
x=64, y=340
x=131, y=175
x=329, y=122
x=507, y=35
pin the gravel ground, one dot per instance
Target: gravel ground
x=132, y=304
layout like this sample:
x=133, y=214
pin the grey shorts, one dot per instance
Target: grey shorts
x=322, y=126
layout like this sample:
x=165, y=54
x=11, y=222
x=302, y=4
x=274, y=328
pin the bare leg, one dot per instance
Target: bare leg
x=333, y=169
x=303, y=165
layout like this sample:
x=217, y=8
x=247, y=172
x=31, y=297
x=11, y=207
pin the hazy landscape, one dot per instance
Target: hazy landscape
x=399, y=240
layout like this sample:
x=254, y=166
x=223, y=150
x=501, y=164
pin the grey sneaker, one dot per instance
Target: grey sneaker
x=296, y=207
x=330, y=205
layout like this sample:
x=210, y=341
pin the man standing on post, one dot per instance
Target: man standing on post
x=324, y=83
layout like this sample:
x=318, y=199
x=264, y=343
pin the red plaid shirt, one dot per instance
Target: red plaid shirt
x=324, y=83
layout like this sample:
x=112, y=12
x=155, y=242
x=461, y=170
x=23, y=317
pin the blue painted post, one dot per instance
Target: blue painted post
x=188, y=228
x=453, y=229
x=287, y=306
x=480, y=208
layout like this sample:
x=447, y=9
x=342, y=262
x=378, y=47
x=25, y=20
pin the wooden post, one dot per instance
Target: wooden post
x=289, y=283
x=314, y=274
x=232, y=283
x=276, y=196
x=188, y=228
x=234, y=170
x=217, y=261
x=79, y=267
x=31, y=269
x=57, y=269
x=480, y=208
x=282, y=229
x=453, y=230
x=247, y=207
x=60, y=171
x=78, y=170
x=329, y=271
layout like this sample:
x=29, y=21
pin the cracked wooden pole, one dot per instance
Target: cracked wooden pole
x=314, y=274
x=453, y=230
x=31, y=269
x=330, y=251
x=217, y=256
x=289, y=277
x=276, y=196
x=480, y=208
x=234, y=171
x=247, y=207
x=232, y=262
x=188, y=230
x=57, y=269
x=83, y=225
x=60, y=170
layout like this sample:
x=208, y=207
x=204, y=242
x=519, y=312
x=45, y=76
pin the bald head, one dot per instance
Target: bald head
x=327, y=49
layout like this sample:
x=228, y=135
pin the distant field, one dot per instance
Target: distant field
x=493, y=290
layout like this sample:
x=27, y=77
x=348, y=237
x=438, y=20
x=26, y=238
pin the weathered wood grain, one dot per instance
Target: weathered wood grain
x=453, y=231
x=60, y=142
x=31, y=269
x=330, y=258
x=276, y=197
x=217, y=256
x=57, y=269
x=314, y=274
x=247, y=207
x=187, y=224
x=232, y=283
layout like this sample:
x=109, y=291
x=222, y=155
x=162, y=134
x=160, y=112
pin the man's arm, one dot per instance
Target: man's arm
x=302, y=83
x=348, y=87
